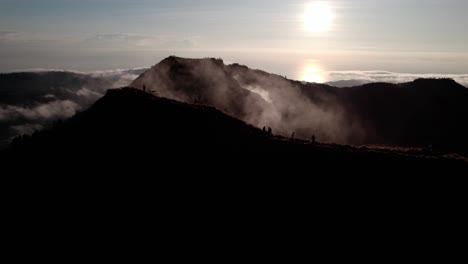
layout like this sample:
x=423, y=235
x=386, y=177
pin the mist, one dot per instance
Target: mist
x=256, y=97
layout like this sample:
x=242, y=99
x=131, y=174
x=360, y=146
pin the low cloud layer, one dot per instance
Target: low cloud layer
x=43, y=112
x=350, y=78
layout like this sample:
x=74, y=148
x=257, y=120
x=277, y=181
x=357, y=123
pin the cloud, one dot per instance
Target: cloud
x=92, y=73
x=119, y=37
x=391, y=77
x=7, y=34
x=39, y=70
x=49, y=111
x=178, y=44
x=258, y=90
x=129, y=40
x=27, y=129
x=17, y=37
x=120, y=40
x=118, y=77
x=273, y=101
x=49, y=96
x=85, y=92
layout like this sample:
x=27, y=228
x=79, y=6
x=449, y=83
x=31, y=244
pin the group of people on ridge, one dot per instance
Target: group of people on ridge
x=293, y=135
x=268, y=131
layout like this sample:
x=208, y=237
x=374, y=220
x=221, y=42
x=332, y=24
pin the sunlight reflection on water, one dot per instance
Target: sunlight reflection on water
x=312, y=71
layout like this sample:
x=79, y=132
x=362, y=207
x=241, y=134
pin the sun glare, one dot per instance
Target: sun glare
x=318, y=16
x=313, y=73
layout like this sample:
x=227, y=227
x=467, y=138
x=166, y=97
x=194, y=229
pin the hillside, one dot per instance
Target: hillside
x=415, y=114
x=425, y=111
x=128, y=122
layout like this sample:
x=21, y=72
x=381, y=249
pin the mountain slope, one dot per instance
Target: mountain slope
x=131, y=123
x=425, y=111
x=129, y=119
x=419, y=113
x=254, y=96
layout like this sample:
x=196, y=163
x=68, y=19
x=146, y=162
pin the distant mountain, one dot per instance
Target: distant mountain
x=128, y=123
x=32, y=100
x=419, y=113
x=347, y=83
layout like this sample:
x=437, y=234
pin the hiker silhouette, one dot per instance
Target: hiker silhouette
x=270, y=132
x=313, y=139
x=144, y=88
x=293, y=135
x=264, y=130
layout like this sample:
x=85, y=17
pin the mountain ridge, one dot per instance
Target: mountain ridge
x=421, y=113
x=128, y=120
x=374, y=113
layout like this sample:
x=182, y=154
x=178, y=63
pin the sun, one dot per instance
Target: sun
x=318, y=16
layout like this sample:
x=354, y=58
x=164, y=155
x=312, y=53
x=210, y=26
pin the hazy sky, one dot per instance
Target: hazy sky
x=414, y=36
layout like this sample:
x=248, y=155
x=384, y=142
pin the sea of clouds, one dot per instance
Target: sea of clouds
x=352, y=78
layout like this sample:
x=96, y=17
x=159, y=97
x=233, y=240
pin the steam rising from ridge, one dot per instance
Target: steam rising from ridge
x=256, y=97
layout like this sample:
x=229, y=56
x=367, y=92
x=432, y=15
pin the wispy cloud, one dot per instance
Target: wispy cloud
x=110, y=41
x=26, y=129
x=119, y=39
x=7, y=33
x=129, y=40
x=50, y=111
x=35, y=38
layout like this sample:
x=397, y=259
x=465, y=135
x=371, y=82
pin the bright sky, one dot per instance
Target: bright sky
x=300, y=38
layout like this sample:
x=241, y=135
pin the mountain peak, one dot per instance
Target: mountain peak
x=374, y=113
x=180, y=60
x=438, y=82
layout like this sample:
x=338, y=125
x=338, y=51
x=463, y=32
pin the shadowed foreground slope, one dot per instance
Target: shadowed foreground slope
x=130, y=123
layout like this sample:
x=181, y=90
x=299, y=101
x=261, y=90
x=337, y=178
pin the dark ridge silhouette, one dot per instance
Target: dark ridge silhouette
x=416, y=114
x=347, y=83
x=130, y=122
x=422, y=112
